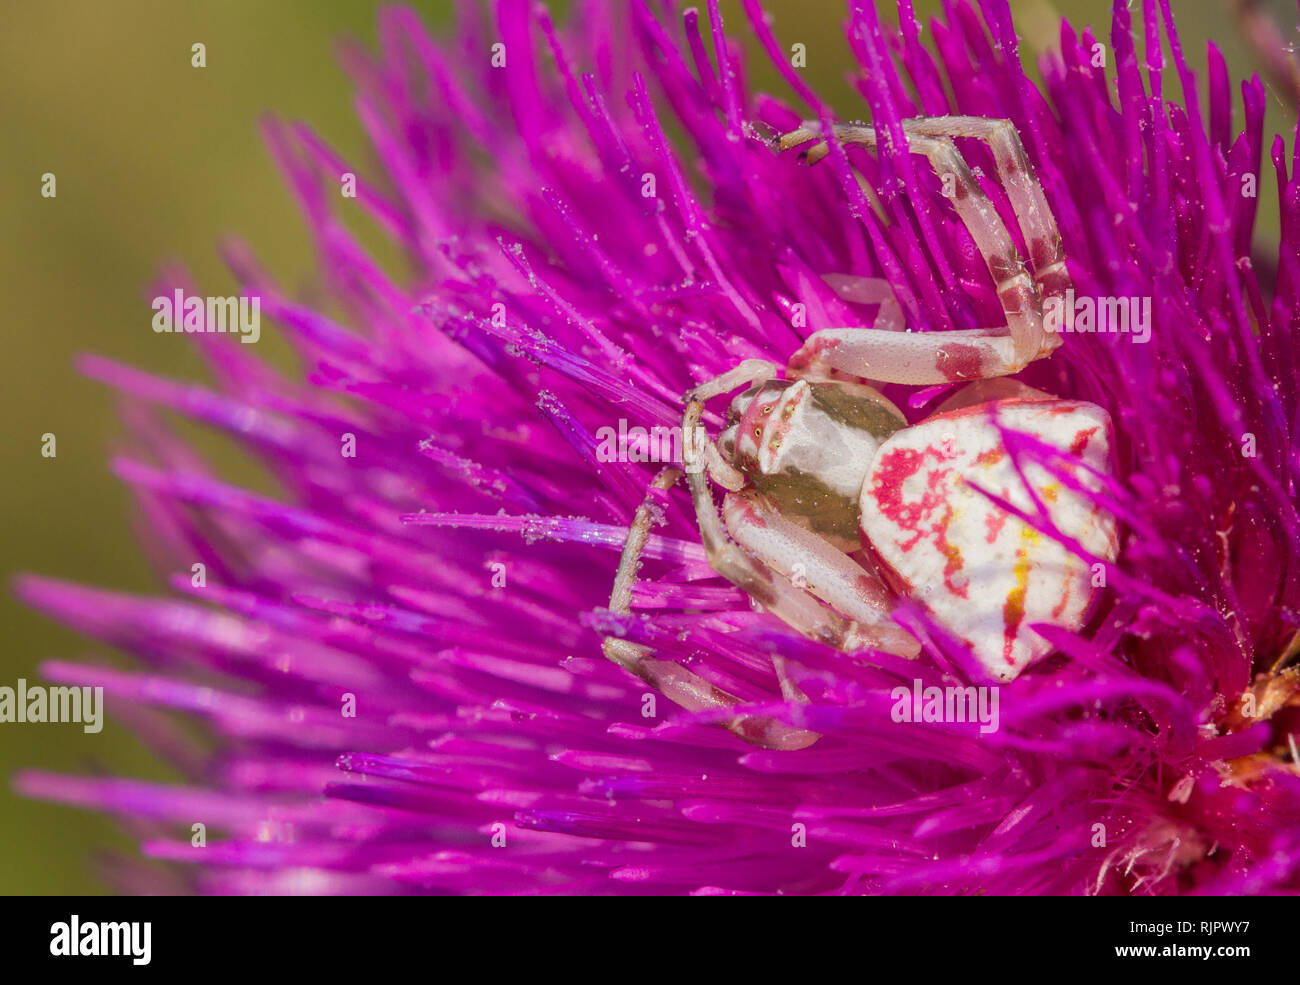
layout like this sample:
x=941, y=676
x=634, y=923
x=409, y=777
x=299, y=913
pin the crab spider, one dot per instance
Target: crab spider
x=834, y=506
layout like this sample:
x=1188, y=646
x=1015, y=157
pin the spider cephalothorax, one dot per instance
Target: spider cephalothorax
x=835, y=506
x=805, y=446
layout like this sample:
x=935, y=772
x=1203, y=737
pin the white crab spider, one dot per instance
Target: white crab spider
x=834, y=505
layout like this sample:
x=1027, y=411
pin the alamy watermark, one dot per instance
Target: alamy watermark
x=73, y=939
x=1127, y=315
x=179, y=313
x=37, y=704
x=654, y=444
x=946, y=704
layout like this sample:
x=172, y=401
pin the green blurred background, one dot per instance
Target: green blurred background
x=155, y=161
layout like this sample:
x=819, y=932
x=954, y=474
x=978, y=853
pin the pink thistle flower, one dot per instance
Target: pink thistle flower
x=401, y=655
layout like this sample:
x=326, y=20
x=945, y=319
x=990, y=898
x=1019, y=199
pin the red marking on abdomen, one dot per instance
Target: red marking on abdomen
x=896, y=467
x=1081, y=440
x=995, y=520
x=1065, y=599
x=953, y=561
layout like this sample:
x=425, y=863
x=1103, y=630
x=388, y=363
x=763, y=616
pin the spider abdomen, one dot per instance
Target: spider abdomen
x=982, y=572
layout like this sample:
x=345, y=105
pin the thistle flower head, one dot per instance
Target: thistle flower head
x=400, y=656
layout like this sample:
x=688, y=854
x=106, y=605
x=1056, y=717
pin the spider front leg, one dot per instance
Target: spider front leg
x=674, y=681
x=913, y=358
x=1016, y=175
x=750, y=371
x=942, y=357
